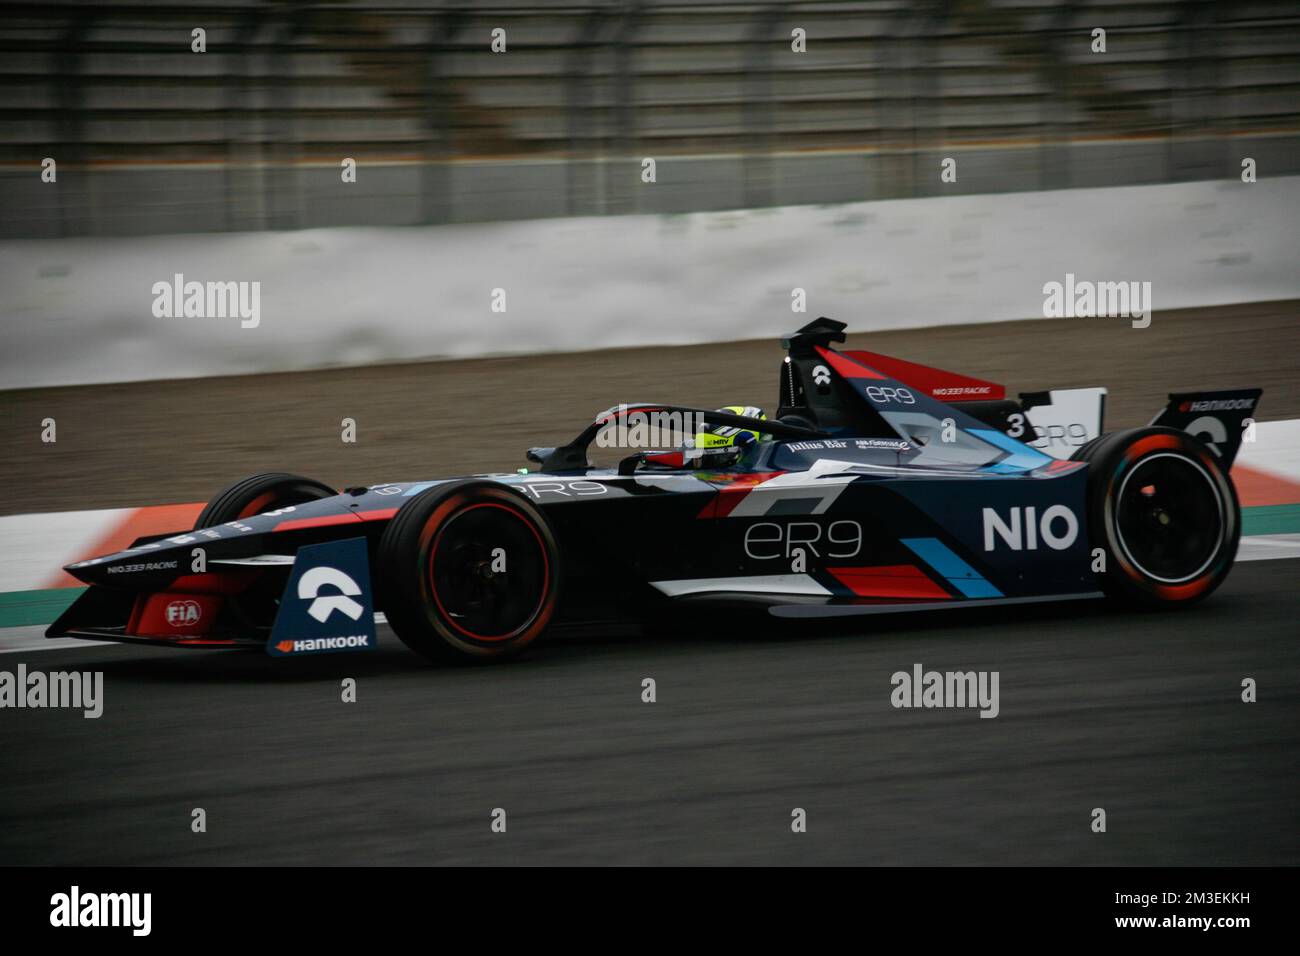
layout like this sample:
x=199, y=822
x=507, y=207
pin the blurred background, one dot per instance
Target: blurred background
x=249, y=135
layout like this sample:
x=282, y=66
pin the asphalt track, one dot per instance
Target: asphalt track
x=1139, y=714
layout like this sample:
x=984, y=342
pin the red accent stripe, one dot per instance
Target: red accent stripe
x=930, y=380
x=379, y=515
x=1062, y=465
x=293, y=524
x=890, y=581
x=728, y=497
x=846, y=366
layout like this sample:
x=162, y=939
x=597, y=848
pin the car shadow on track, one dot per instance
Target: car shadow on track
x=673, y=636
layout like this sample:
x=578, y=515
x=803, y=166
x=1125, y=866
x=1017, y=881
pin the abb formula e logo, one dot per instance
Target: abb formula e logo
x=322, y=606
x=888, y=395
x=327, y=605
x=1057, y=527
x=183, y=613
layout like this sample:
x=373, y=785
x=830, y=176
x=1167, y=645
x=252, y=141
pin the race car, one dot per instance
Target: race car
x=879, y=486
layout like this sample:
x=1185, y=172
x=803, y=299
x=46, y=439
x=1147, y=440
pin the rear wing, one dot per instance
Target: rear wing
x=1220, y=419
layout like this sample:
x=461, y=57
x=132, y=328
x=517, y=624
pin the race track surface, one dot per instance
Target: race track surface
x=1135, y=713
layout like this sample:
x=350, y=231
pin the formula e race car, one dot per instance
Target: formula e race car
x=878, y=486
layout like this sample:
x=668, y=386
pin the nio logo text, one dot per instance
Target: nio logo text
x=312, y=581
x=769, y=541
x=1058, y=527
x=888, y=395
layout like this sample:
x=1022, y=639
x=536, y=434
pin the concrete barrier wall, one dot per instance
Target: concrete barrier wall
x=78, y=311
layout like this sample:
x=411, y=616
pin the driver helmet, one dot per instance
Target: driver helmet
x=726, y=443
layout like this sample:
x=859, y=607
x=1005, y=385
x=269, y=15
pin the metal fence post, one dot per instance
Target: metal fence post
x=758, y=107
x=70, y=127
x=628, y=193
x=578, y=107
x=436, y=195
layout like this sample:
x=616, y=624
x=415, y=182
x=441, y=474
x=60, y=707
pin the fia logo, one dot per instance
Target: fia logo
x=183, y=613
x=821, y=375
x=312, y=581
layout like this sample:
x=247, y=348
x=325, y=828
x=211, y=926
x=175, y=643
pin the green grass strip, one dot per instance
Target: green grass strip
x=24, y=608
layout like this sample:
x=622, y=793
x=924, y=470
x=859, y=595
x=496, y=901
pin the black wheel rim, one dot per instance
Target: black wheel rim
x=1169, y=517
x=488, y=572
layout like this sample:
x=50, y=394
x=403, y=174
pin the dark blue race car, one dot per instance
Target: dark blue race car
x=878, y=486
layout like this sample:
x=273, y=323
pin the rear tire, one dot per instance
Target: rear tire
x=469, y=570
x=1164, y=512
x=258, y=493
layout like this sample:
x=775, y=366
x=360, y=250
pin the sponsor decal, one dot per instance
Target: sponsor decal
x=349, y=642
x=138, y=568
x=387, y=490
x=820, y=445
x=1070, y=436
x=825, y=444
x=181, y=614
x=327, y=605
x=1218, y=405
x=322, y=606
x=962, y=390
x=769, y=541
x=889, y=395
x=821, y=375
x=1057, y=527
x=563, y=489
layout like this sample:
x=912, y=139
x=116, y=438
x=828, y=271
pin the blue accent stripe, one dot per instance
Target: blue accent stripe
x=416, y=489
x=959, y=574
x=1023, y=458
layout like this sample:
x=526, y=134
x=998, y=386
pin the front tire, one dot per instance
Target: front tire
x=1165, y=513
x=258, y=493
x=469, y=570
